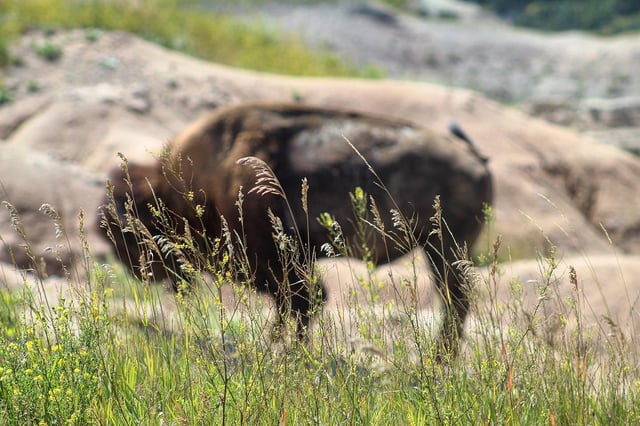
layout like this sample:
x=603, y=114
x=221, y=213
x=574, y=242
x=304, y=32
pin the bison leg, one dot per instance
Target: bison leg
x=304, y=301
x=299, y=303
x=452, y=288
x=293, y=299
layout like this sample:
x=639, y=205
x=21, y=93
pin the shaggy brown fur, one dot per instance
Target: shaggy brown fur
x=299, y=141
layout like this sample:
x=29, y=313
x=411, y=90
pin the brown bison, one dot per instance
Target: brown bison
x=403, y=168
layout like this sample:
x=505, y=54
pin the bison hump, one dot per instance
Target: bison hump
x=337, y=143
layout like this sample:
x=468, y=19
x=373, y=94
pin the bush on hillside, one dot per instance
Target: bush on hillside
x=607, y=17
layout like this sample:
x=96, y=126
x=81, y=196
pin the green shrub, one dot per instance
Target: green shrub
x=6, y=96
x=5, y=57
x=92, y=34
x=48, y=51
x=33, y=86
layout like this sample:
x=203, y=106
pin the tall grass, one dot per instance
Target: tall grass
x=116, y=350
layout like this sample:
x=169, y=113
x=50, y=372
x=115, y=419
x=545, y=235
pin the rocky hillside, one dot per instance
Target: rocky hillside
x=121, y=94
x=583, y=81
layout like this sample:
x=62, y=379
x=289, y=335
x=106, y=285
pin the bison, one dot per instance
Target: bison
x=401, y=167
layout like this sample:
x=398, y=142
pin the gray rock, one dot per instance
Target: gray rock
x=599, y=113
x=42, y=199
x=12, y=116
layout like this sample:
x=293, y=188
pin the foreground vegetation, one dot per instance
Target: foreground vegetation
x=110, y=349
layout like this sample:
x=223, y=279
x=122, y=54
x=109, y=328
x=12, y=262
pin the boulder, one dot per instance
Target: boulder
x=42, y=200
